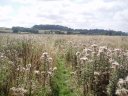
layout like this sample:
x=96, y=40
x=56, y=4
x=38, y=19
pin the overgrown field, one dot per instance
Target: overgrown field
x=61, y=65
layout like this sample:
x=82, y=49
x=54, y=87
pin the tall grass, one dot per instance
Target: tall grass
x=48, y=65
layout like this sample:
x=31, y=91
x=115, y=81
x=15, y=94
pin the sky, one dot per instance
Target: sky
x=85, y=14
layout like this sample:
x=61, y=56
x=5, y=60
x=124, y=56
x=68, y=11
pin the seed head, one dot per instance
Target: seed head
x=84, y=58
x=118, y=92
x=115, y=65
x=77, y=53
x=117, y=50
x=126, y=79
x=28, y=66
x=120, y=83
x=45, y=54
x=49, y=72
x=36, y=72
x=73, y=73
x=50, y=59
x=94, y=45
x=96, y=73
x=55, y=68
x=103, y=49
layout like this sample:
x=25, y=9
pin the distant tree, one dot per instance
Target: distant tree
x=35, y=31
x=23, y=29
x=15, y=29
x=51, y=27
x=58, y=29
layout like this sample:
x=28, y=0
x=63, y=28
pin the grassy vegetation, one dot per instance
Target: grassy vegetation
x=63, y=65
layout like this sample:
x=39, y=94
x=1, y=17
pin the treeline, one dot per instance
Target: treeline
x=23, y=29
x=58, y=29
x=101, y=32
x=52, y=27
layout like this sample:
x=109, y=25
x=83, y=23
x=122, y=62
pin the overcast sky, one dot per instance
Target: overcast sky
x=87, y=14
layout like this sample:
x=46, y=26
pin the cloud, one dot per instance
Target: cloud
x=106, y=14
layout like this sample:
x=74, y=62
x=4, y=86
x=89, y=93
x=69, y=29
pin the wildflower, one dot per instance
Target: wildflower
x=100, y=52
x=17, y=91
x=36, y=72
x=12, y=89
x=103, y=49
x=87, y=55
x=18, y=69
x=10, y=62
x=96, y=73
x=84, y=58
x=49, y=72
x=117, y=50
x=27, y=69
x=77, y=53
x=50, y=59
x=22, y=90
x=55, y=68
x=87, y=51
x=2, y=55
x=111, y=60
x=44, y=55
x=118, y=92
x=115, y=65
x=43, y=72
x=120, y=83
x=23, y=69
x=28, y=66
x=93, y=54
x=126, y=79
x=94, y=45
x=124, y=92
x=73, y=73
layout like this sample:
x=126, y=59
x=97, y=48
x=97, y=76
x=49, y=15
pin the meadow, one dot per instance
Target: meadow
x=63, y=65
